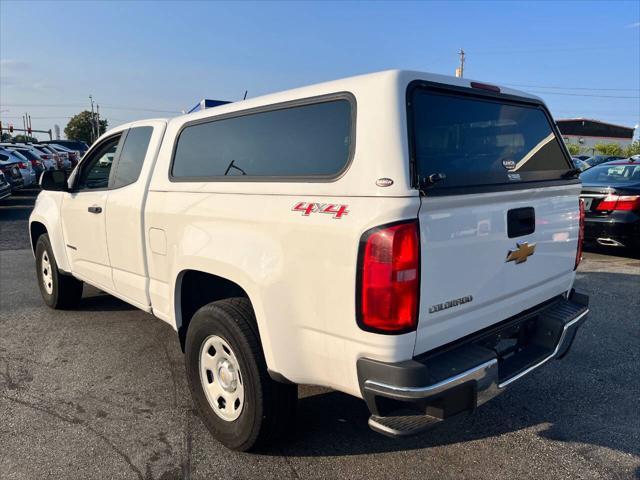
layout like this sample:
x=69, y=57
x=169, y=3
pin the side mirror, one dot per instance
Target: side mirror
x=54, y=180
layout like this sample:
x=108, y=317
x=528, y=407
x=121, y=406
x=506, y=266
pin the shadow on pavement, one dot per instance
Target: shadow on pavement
x=590, y=397
x=94, y=301
x=335, y=424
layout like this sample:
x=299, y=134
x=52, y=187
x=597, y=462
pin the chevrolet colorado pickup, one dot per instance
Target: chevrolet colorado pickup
x=407, y=238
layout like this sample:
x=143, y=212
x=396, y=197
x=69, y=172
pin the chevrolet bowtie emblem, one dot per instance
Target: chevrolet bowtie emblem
x=523, y=251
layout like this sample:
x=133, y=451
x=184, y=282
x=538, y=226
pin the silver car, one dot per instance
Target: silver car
x=65, y=154
x=24, y=164
x=47, y=160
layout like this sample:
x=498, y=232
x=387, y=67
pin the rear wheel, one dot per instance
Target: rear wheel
x=59, y=291
x=238, y=401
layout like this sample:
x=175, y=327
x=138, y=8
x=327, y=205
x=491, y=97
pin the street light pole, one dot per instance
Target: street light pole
x=93, y=130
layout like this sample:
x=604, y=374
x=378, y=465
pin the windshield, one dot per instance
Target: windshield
x=612, y=174
x=477, y=141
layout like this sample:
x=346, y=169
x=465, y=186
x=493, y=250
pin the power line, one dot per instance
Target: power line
x=38, y=118
x=575, y=88
x=111, y=107
x=584, y=95
x=43, y=105
x=550, y=49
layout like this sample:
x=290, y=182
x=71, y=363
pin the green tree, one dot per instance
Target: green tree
x=6, y=137
x=633, y=149
x=79, y=127
x=608, y=149
x=574, y=149
x=24, y=138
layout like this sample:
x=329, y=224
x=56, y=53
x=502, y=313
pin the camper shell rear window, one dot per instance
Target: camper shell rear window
x=481, y=141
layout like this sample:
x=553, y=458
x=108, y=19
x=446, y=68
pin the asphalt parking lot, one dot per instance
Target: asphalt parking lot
x=100, y=392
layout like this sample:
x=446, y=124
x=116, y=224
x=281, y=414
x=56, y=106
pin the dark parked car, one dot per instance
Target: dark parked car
x=580, y=164
x=598, y=159
x=611, y=193
x=9, y=167
x=70, y=144
x=5, y=186
x=36, y=161
x=51, y=153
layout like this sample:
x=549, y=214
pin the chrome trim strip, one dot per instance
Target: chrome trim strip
x=546, y=359
x=479, y=373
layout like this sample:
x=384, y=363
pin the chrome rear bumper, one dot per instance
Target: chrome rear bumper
x=470, y=372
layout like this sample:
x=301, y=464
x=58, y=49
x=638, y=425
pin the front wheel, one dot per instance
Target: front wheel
x=238, y=401
x=59, y=291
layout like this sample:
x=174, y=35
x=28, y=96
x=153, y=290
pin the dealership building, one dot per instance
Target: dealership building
x=587, y=133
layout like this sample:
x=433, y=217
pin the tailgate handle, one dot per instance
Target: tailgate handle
x=521, y=221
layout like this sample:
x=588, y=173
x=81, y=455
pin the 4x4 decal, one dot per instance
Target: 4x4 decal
x=338, y=211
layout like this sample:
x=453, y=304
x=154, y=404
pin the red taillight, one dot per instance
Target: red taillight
x=608, y=203
x=22, y=165
x=580, y=234
x=628, y=202
x=389, y=278
x=620, y=202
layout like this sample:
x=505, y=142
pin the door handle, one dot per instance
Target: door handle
x=95, y=209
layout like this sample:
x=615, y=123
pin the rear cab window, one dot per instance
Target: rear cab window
x=480, y=141
x=313, y=140
x=132, y=156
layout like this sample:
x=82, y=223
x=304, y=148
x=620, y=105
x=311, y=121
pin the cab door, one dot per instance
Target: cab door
x=124, y=215
x=83, y=214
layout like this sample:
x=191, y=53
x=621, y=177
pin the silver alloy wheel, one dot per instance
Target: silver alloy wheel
x=221, y=378
x=47, y=274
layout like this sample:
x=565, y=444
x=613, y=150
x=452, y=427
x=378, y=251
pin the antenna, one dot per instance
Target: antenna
x=245, y=94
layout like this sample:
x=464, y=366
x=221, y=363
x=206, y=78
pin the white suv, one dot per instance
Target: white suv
x=407, y=238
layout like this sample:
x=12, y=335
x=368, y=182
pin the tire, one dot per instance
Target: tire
x=267, y=410
x=59, y=291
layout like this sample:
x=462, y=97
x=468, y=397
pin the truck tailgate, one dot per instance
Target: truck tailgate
x=474, y=275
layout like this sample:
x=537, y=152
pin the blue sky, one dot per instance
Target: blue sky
x=150, y=59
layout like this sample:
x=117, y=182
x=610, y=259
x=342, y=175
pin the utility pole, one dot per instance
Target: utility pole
x=460, y=69
x=93, y=121
x=98, y=120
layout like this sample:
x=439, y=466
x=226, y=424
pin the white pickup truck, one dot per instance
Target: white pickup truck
x=407, y=238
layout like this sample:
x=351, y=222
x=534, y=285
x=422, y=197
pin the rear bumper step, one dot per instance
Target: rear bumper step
x=409, y=397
